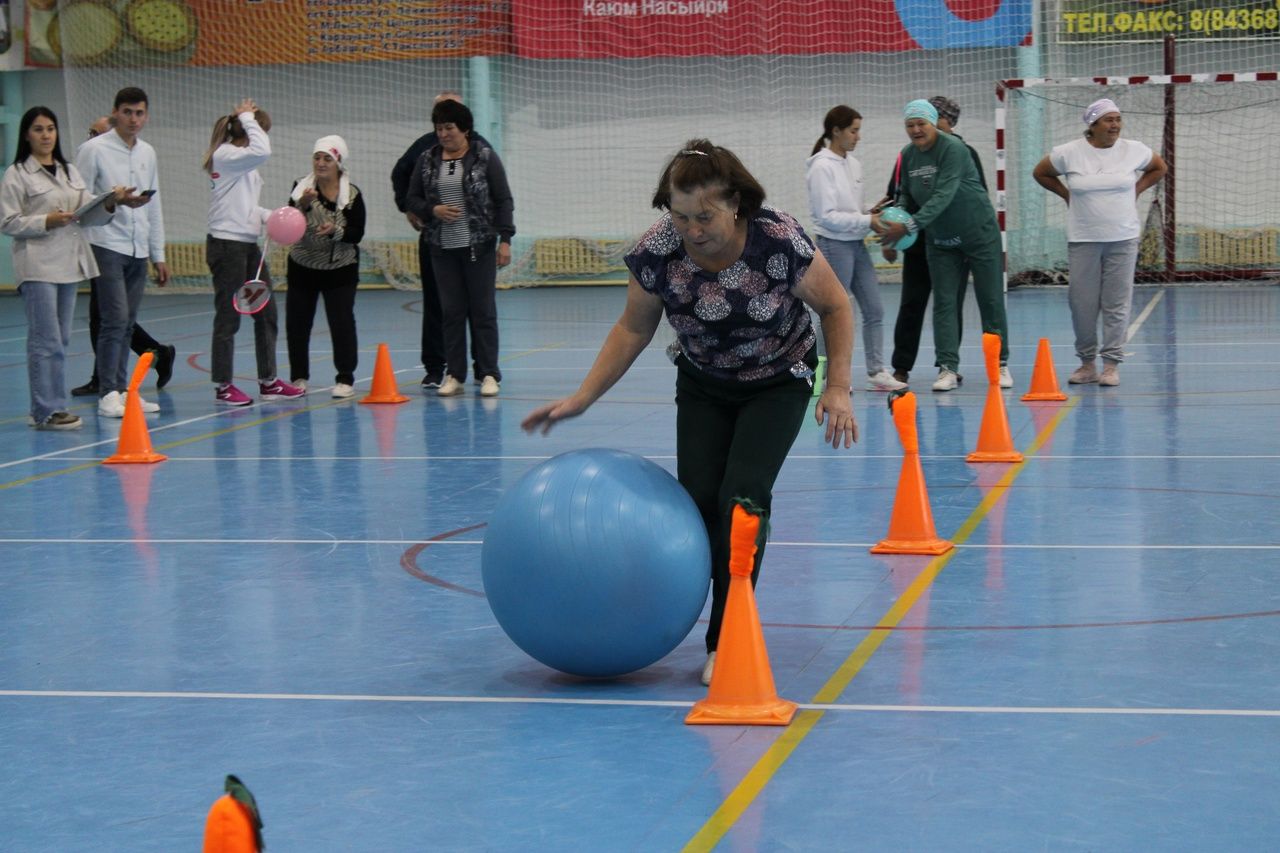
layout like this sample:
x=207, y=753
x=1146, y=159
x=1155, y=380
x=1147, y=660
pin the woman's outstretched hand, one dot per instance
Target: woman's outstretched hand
x=543, y=418
x=835, y=409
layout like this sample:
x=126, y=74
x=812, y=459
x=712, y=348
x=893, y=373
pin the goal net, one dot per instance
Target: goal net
x=583, y=100
x=1213, y=217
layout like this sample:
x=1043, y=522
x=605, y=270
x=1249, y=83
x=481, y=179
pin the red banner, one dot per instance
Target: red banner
x=586, y=29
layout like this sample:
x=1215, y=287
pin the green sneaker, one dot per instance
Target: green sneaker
x=820, y=376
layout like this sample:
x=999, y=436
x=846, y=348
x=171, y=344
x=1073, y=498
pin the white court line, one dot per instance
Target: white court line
x=1142, y=318
x=149, y=321
x=845, y=457
x=630, y=703
x=968, y=546
x=263, y=410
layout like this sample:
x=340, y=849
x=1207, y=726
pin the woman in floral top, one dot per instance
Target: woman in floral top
x=734, y=277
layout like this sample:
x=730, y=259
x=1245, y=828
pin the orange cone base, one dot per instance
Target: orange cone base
x=932, y=547
x=1044, y=396
x=143, y=457
x=385, y=398
x=708, y=713
x=994, y=456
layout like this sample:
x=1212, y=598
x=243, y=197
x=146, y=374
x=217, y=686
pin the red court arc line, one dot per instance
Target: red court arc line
x=1172, y=620
x=409, y=561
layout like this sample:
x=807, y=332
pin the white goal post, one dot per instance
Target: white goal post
x=1215, y=215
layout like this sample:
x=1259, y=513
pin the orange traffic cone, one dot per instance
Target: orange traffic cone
x=995, y=444
x=742, y=691
x=384, y=388
x=135, y=441
x=911, y=529
x=1044, y=379
x=234, y=824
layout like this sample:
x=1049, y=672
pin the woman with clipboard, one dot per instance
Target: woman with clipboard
x=43, y=203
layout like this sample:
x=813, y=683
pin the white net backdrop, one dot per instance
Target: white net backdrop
x=584, y=139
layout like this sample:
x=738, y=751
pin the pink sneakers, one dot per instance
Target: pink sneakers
x=278, y=389
x=230, y=395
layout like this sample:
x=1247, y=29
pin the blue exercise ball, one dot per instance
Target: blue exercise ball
x=897, y=214
x=596, y=563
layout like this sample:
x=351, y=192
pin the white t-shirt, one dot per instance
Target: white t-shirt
x=1103, y=208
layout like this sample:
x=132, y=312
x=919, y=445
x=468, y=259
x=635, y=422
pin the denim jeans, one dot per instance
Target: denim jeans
x=119, y=286
x=232, y=264
x=857, y=274
x=49, y=311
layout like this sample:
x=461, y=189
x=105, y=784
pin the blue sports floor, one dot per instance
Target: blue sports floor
x=295, y=597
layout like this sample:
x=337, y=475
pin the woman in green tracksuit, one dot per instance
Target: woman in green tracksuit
x=940, y=188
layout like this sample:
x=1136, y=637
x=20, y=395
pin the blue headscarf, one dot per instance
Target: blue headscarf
x=920, y=108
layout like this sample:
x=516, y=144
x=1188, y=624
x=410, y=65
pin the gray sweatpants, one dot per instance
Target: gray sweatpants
x=857, y=273
x=1101, y=282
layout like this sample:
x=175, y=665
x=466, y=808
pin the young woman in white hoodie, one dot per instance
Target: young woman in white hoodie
x=237, y=147
x=834, y=179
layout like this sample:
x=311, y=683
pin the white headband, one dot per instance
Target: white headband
x=1098, y=109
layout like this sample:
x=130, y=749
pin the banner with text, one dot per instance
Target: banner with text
x=600, y=29
x=1152, y=20
x=261, y=32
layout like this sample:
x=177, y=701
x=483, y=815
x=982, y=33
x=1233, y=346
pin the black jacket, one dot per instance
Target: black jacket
x=490, y=208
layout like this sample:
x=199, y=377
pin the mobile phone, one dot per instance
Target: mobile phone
x=147, y=193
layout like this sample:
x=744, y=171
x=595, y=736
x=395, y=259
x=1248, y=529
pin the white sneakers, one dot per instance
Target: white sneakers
x=111, y=405
x=342, y=390
x=1088, y=373
x=451, y=387
x=1085, y=374
x=948, y=380
x=709, y=668
x=884, y=381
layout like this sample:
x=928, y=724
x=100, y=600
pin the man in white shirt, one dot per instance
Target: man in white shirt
x=122, y=247
x=139, y=341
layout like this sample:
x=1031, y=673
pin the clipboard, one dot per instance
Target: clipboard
x=93, y=212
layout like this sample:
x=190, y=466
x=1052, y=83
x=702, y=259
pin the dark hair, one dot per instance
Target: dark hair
x=838, y=118
x=24, y=144
x=454, y=113
x=700, y=164
x=129, y=95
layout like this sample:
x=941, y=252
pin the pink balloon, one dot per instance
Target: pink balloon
x=286, y=225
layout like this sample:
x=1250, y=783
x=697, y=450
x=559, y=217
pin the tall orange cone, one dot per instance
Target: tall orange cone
x=135, y=441
x=1044, y=379
x=742, y=691
x=384, y=388
x=995, y=443
x=911, y=529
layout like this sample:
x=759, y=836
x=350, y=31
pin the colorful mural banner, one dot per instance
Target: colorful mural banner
x=599, y=29
x=261, y=32
x=1152, y=20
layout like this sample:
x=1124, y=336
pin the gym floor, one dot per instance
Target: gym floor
x=294, y=596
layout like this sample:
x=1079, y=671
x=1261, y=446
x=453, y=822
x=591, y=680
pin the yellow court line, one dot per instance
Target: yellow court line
x=742, y=796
